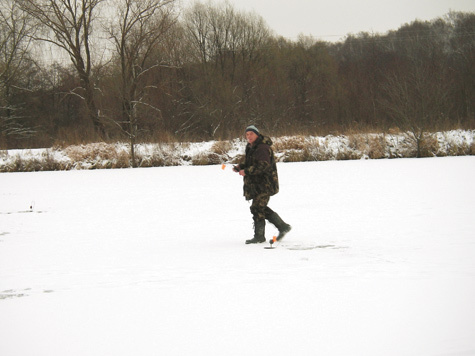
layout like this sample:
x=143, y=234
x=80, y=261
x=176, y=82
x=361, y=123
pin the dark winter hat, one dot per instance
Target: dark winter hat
x=253, y=129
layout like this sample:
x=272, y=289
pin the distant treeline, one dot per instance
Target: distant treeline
x=148, y=71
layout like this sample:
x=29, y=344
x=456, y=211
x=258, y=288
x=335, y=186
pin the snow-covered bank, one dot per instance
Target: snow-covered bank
x=152, y=261
x=288, y=149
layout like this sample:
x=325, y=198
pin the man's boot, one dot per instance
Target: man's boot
x=259, y=232
x=283, y=227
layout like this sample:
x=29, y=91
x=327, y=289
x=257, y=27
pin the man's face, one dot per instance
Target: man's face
x=251, y=137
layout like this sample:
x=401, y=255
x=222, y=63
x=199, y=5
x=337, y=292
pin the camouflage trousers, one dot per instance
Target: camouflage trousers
x=259, y=208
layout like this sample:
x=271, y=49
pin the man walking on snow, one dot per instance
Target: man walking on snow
x=260, y=183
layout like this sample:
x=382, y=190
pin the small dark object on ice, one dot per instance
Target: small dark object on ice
x=271, y=241
x=271, y=245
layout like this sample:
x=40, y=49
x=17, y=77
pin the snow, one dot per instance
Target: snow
x=152, y=261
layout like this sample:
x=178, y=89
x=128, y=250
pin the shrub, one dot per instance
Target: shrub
x=204, y=159
x=238, y=159
x=159, y=155
x=376, y=147
x=97, y=156
x=301, y=150
x=290, y=143
x=295, y=156
x=429, y=145
x=345, y=154
x=221, y=147
x=49, y=163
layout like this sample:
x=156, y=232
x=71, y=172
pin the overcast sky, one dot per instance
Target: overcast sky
x=332, y=20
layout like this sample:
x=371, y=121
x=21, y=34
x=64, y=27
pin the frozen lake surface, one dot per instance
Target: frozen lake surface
x=380, y=261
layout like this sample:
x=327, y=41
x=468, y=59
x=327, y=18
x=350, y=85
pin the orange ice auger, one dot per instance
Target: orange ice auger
x=274, y=239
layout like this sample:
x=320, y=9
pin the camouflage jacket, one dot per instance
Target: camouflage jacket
x=260, y=168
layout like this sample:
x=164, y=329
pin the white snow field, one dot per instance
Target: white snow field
x=152, y=261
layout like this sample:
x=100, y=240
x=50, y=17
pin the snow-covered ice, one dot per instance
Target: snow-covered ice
x=152, y=261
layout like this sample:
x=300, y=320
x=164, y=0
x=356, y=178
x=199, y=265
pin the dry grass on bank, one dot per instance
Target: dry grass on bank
x=287, y=149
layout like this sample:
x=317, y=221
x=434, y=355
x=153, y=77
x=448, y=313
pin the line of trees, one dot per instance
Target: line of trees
x=146, y=70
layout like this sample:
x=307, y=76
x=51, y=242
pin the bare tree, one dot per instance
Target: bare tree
x=415, y=100
x=69, y=26
x=221, y=35
x=417, y=91
x=228, y=45
x=137, y=31
x=463, y=60
x=199, y=30
x=16, y=29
